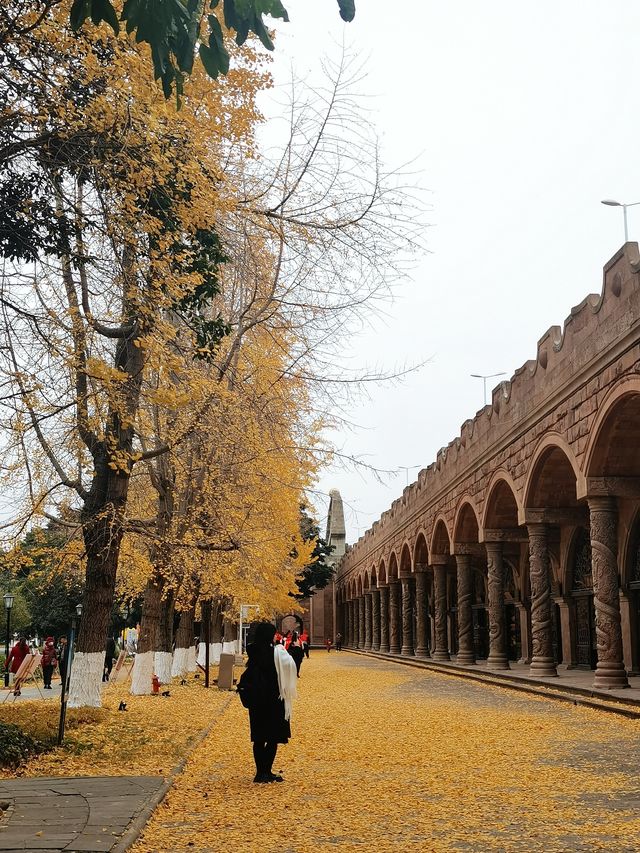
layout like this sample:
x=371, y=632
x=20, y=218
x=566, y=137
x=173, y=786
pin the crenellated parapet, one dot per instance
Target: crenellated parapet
x=558, y=393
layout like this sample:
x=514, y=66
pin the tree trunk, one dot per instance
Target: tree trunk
x=164, y=649
x=148, y=639
x=184, y=660
x=104, y=509
x=229, y=642
x=102, y=518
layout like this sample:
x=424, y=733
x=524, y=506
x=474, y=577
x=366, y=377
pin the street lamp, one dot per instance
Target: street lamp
x=611, y=203
x=8, y=603
x=67, y=677
x=407, y=468
x=484, y=378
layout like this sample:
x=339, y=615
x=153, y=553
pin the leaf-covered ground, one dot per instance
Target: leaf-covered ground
x=149, y=738
x=387, y=758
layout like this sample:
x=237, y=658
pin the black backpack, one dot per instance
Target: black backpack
x=251, y=687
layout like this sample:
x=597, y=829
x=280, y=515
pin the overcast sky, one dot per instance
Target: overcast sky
x=524, y=116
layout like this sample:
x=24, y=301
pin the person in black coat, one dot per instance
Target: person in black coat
x=296, y=651
x=259, y=692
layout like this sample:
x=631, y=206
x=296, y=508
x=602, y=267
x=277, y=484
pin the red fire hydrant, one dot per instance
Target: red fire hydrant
x=155, y=684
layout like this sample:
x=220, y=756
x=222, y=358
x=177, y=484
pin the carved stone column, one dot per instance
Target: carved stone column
x=384, y=619
x=466, y=652
x=441, y=651
x=407, y=618
x=361, y=622
x=610, y=671
x=351, y=623
x=422, y=617
x=367, y=621
x=356, y=623
x=375, y=619
x=394, y=627
x=497, y=636
x=542, y=662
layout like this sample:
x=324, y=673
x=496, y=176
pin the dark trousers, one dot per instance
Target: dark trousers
x=338, y=645
x=108, y=666
x=47, y=673
x=305, y=648
x=264, y=755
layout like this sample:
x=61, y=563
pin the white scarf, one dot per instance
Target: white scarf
x=287, y=677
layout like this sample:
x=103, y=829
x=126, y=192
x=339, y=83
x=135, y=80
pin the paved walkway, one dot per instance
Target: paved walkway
x=386, y=758
x=85, y=814
x=572, y=685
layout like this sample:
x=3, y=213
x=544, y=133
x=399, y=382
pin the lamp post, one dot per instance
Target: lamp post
x=484, y=377
x=67, y=679
x=407, y=468
x=244, y=617
x=8, y=604
x=611, y=203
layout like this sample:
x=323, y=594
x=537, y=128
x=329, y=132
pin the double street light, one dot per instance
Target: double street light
x=8, y=604
x=611, y=203
x=484, y=377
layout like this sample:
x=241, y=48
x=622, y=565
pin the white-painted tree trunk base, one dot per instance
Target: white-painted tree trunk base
x=142, y=674
x=162, y=663
x=214, y=653
x=230, y=648
x=201, y=654
x=191, y=660
x=86, y=680
x=180, y=665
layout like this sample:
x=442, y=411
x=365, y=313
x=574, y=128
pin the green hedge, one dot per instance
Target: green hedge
x=16, y=746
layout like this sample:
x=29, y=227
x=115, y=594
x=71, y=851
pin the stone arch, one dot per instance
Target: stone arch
x=502, y=508
x=359, y=586
x=553, y=474
x=406, y=562
x=441, y=539
x=393, y=567
x=382, y=573
x=374, y=576
x=366, y=581
x=613, y=448
x=466, y=523
x=420, y=550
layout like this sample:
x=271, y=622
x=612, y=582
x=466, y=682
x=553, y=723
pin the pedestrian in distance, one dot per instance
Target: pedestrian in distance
x=328, y=643
x=17, y=654
x=295, y=650
x=304, y=639
x=338, y=642
x=267, y=688
x=109, y=655
x=49, y=661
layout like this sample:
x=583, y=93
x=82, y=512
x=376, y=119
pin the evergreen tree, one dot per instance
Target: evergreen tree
x=318, y=572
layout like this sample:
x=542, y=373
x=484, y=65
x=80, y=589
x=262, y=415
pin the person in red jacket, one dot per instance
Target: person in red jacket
x=49, y=661
x=17, y=654
x=304, y=639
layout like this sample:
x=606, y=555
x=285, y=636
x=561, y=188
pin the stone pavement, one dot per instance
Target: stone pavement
x=571, y=685
x=84, y=814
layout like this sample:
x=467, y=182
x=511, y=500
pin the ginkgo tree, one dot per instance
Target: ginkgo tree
x=109, y=199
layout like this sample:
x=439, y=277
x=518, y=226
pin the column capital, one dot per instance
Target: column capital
x=439, y=559
x=537, y=528
x=421, y=567
x=463, y=560
x=600, y=503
